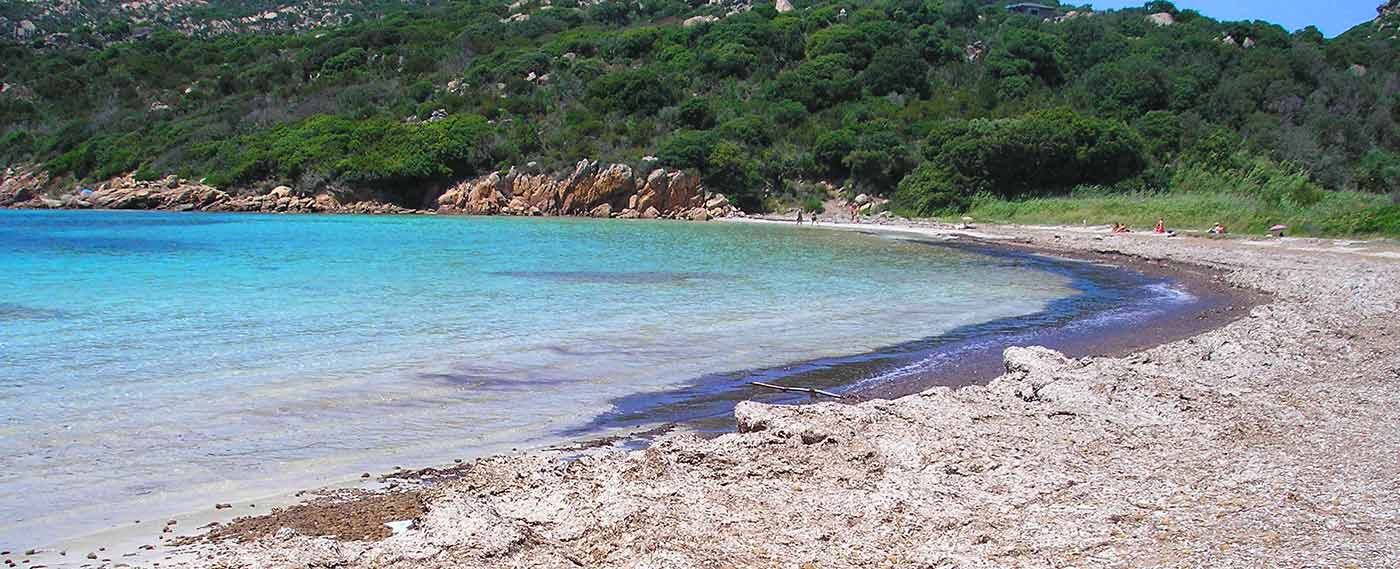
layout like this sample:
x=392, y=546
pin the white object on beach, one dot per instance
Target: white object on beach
x=400, y=526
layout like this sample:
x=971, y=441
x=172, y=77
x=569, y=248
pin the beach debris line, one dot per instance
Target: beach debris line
x=808, y=390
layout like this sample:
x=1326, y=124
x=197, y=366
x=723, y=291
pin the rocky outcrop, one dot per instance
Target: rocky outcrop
x=592, y=186
x=698, y=20
x=592, y=189
x=25, y=188
x=486, y=195
x=1162, y=18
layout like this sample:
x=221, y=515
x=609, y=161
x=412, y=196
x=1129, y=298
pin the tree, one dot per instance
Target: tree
x=1159, y=6
x=841, y=40
x=818, y=83
x=1023, y=58
x=752, y=130
x=345, y=60
x=686, y=149
x=731, y=169
x=831, y=150
x=929, y=190
x=1039, y=153
x=1129, y=87
x=960, y=13
x=896, y=69
x=642, y=91
x=1162, y=132
x=1379, y=172
x=696, y=113
x=937, y=44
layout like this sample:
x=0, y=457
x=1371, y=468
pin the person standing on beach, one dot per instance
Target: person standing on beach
x=1161, y=226
x=799, y=216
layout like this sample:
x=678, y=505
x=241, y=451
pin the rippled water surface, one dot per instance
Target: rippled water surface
x=151, y=361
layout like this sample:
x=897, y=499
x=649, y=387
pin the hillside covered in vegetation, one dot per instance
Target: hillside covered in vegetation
x=943, y=105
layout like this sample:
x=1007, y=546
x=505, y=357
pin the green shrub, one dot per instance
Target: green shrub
x=1379, y=172
x=842, y=41
x=731, y=169
x=753, y=130
x=15, y=146
x=1039, y=153
x=633, y=91
x=1381, y=220
x=348, y=59
x=1276, y=183
x=929, y=190
x=896, y=69
x=697, y=114
x=817, y=83
x=370, y=152
x=686, y=149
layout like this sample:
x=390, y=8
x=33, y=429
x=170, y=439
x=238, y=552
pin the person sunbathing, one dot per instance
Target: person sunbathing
x=1219, y=229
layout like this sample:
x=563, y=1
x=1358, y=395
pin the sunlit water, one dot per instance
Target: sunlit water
x=150, y=362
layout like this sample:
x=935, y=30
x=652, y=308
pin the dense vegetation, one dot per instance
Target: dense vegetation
x=943, y=105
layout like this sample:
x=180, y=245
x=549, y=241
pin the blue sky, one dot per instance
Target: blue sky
x=1331, y=16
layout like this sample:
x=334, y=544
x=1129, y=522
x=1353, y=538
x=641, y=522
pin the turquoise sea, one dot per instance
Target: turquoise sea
x=153, y=362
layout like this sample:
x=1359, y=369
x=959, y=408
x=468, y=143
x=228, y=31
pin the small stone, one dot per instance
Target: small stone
x=92, y=556
x=365, y=475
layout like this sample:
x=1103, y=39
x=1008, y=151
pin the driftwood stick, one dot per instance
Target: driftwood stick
x=809, y=390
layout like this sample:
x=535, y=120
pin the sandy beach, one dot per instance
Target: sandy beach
x=1269, y=440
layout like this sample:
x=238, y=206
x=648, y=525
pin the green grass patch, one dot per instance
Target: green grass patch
x=1335, y=214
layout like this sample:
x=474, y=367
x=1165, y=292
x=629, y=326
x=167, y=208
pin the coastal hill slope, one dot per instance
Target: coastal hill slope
x=943, y=105
x=54, y=23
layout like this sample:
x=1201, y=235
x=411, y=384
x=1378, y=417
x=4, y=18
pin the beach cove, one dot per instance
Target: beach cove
x=274, y=464
x=305, y=355
x=1268, y=441
x=716, y=394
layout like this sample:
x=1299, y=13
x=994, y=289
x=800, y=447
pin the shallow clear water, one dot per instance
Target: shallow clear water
x=150, y=362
